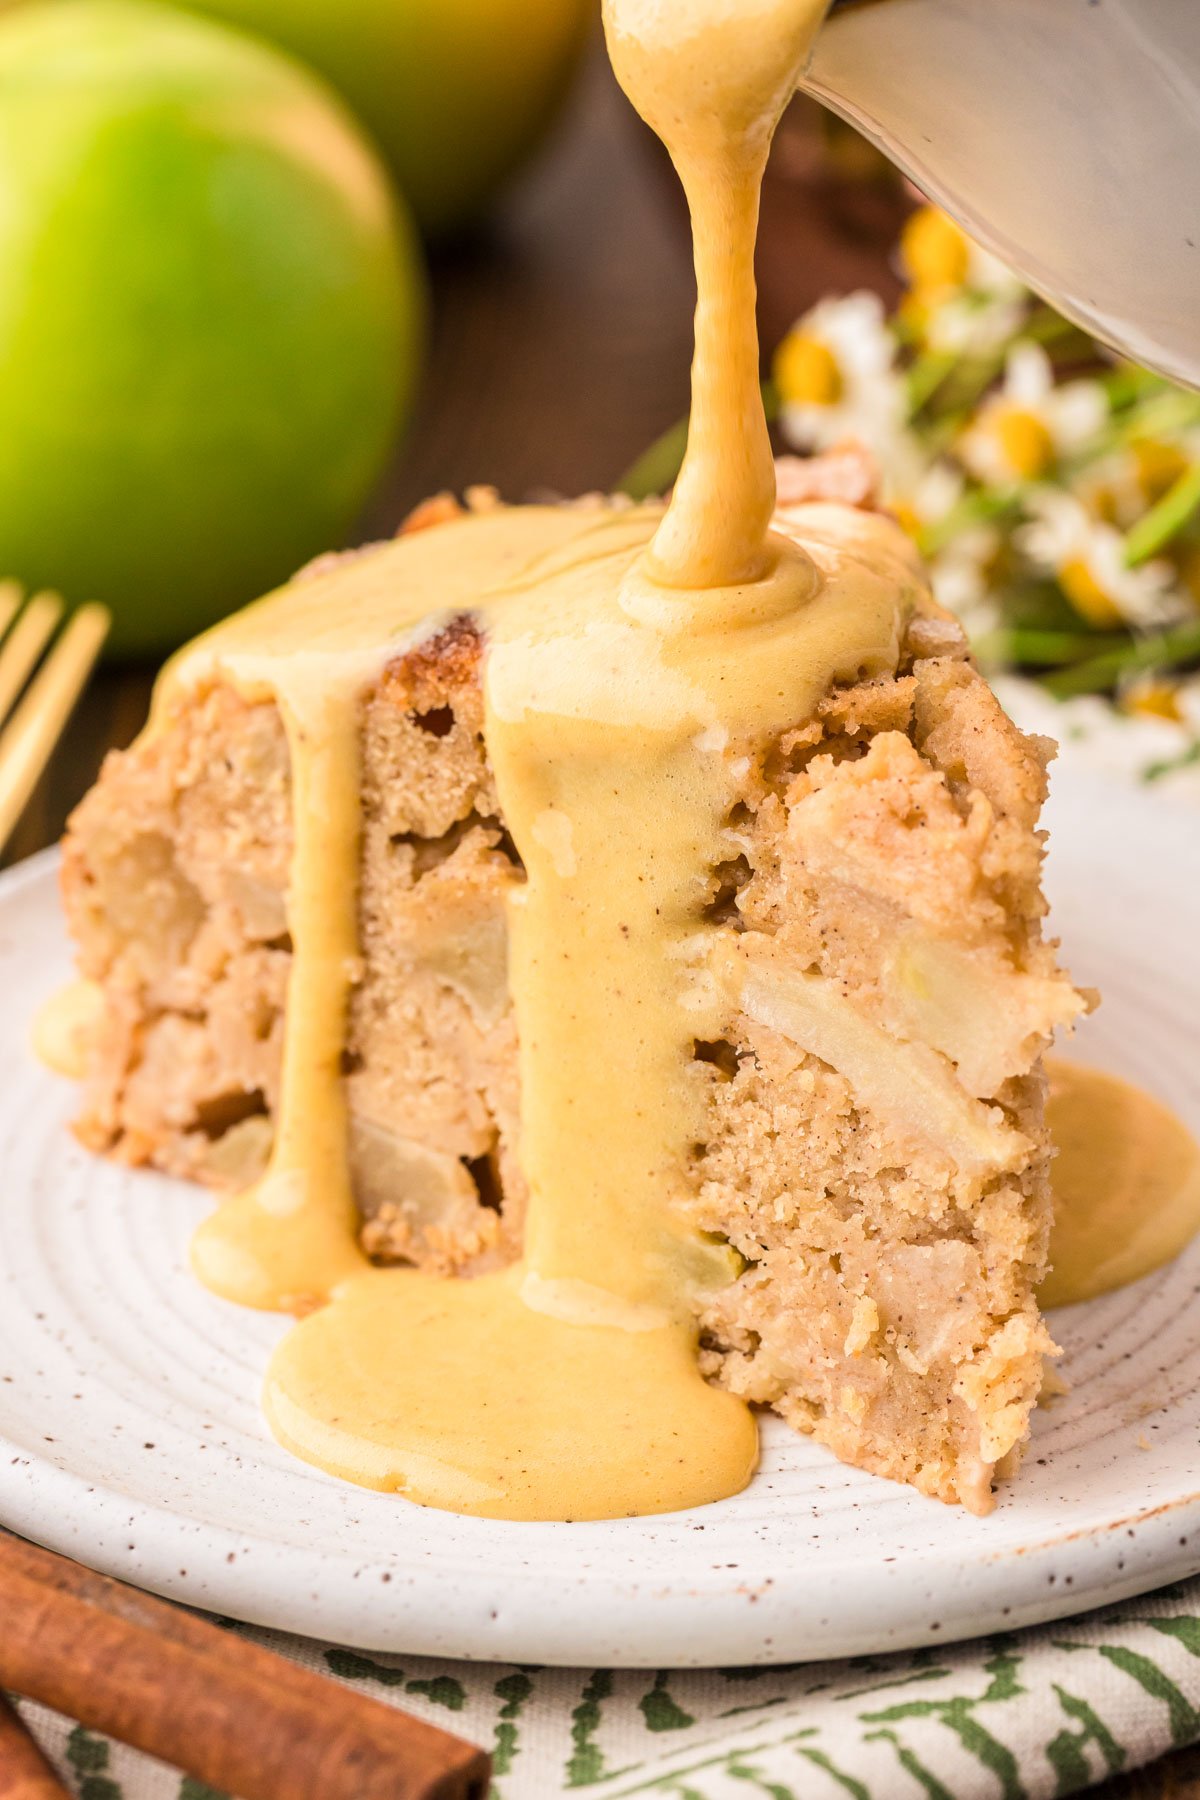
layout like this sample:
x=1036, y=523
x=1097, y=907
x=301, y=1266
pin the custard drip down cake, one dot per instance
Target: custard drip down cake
x=625, y=923
x=862, y=1165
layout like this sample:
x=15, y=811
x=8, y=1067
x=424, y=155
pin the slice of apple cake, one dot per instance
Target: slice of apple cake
x=874, y=1149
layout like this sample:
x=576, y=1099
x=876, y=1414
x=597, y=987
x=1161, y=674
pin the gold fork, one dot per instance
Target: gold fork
x=35, y=706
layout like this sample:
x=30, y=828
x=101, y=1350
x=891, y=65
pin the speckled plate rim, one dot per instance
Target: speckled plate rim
x=814, y=1561
x=699, y=1622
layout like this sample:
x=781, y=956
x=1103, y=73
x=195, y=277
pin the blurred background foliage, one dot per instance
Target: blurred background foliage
x=1052, y=488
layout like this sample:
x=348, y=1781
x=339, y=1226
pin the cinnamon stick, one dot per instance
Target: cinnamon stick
x=226, y=1711
x=24, y=1772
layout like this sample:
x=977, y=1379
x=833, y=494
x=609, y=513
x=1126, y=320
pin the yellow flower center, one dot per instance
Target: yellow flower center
x=1154, y=699
x=1024, y=440
x=1103, y=502
x=807, y=372
x=906, y=517
x=1086, y=595
x=934, y=253
x=914, y=309
x=1158, y=467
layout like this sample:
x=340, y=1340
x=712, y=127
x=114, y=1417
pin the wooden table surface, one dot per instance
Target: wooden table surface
x=560, y=350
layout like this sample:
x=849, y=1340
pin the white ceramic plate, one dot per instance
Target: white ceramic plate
x=130, y=1435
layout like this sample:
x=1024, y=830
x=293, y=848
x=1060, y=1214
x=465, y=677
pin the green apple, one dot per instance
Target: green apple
x=211, y=313
x=457, y=92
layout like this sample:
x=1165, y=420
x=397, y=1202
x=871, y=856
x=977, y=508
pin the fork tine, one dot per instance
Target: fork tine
x=29, y=737
x=11, y=596
x=24, y=645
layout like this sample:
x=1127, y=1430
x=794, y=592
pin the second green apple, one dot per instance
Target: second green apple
x=456, y=92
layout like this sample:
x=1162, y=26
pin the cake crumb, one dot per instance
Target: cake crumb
x=863, y=1326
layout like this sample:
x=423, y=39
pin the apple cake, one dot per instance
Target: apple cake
x=874, y=1151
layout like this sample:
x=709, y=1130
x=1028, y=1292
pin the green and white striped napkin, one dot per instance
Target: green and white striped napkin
x=1032, y=1714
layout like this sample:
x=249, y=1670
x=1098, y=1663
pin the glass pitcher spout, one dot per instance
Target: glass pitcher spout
x=1063, y=134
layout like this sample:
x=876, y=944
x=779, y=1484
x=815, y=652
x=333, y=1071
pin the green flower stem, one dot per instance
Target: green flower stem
x=1187, y=759
x=1157, y=412
x=934, y=368
x=1127, y=383
x=968, y=382
x=979, y=507
x=1045, y=649
x=958, y=383
x=1045, y=326
x=656, y=469
x=1164, y=650
x=926, y=375
x=1161, y=414
x=1155, y=529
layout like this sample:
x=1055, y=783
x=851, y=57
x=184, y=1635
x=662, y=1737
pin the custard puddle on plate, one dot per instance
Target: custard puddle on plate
x=112, y=1346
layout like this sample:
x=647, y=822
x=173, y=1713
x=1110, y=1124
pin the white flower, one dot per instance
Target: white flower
x=933, y=496
x=1029, y=424
x=1150, y=696
x=972, y=324
x=837, y=380
x=1187, y=700
x=1086, y=556
x=1110, y=488
x=961, y=582
x=937, y=256
x=962, y=301
x=1129, y=480
x=960, y=571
